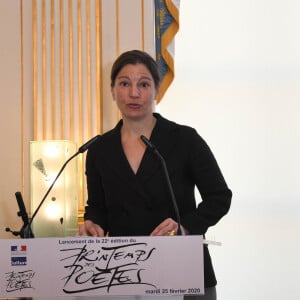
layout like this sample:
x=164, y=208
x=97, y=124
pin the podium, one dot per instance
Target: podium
x=105, y=268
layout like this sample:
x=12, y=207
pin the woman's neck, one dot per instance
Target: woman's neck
x=133, y=146
x=133, y=128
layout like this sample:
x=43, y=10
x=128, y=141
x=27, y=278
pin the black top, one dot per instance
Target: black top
x=126, y=204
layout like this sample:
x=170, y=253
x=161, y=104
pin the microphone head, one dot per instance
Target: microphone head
x=87, y=145
x=147, y=143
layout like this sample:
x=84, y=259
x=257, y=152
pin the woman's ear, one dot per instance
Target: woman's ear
x=112, y=93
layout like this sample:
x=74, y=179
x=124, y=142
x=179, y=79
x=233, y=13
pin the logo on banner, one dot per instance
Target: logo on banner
x=18, y=255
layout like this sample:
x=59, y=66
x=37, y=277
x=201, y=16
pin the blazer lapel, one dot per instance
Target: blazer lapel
x=162, y=139
x=120, y=165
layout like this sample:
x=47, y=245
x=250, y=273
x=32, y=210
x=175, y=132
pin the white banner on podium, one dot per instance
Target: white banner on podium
x=86, y=266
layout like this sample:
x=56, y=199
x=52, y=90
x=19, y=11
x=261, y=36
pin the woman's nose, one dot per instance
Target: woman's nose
x=134, y=91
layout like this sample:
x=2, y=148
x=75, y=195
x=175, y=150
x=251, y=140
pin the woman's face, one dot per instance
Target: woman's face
x=134, y=91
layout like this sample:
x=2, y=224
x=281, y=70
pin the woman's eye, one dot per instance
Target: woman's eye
x=144, y=84
x=124, y=83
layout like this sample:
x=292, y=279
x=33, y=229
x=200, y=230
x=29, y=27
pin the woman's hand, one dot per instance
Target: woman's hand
x=89, y=228
x=167, y=227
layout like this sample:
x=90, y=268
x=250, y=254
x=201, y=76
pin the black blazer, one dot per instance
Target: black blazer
x=128, y=204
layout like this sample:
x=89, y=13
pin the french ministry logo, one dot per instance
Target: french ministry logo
x=18, y=255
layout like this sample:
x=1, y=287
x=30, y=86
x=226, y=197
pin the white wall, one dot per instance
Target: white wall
x=238, y=83
x=10, y=113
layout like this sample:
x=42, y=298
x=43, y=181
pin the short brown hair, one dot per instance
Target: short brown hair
x=134, y=57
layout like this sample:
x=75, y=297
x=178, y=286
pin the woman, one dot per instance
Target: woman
x=127, y=190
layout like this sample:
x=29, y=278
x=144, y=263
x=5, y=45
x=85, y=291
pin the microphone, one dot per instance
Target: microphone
x=81, y=149
x=87, y=145
x=155, y=151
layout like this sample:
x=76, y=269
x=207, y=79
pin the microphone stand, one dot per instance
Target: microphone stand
x=26, y=231
x=155, y=151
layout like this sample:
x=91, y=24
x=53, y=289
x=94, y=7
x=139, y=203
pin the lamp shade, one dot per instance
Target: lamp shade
x=58, y=216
